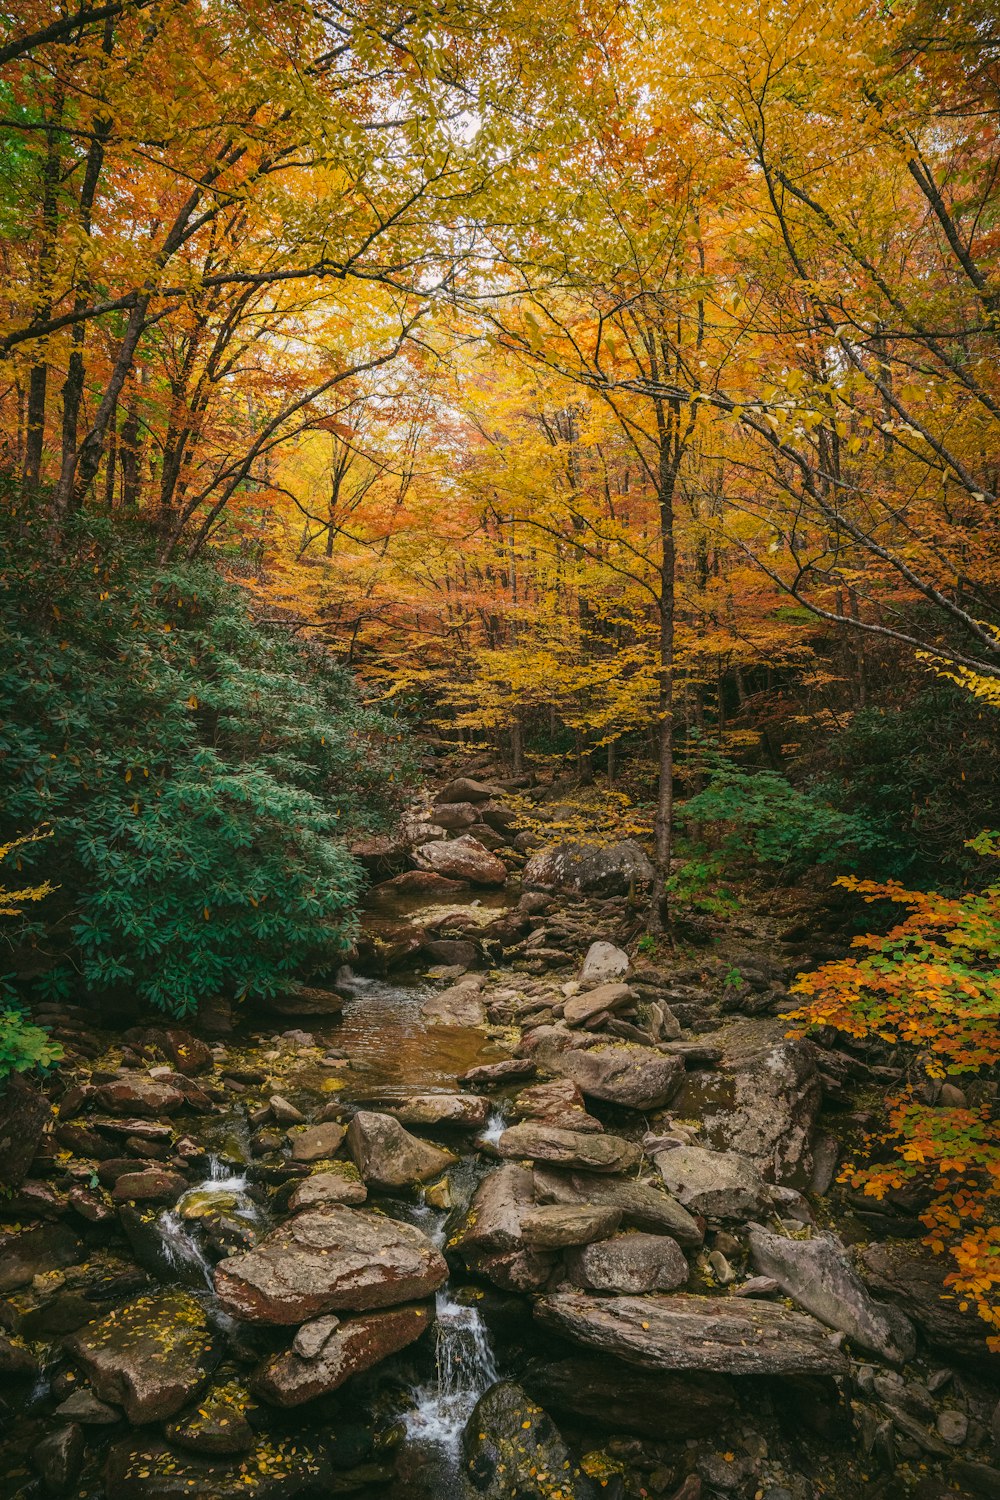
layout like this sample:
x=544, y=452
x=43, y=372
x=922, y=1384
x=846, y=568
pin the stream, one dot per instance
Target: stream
x=393, y=1051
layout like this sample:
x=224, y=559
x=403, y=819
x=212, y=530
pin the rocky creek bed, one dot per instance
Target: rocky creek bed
x=512, y=1212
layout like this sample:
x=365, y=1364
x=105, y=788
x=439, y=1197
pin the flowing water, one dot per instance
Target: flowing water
x=181, y=1245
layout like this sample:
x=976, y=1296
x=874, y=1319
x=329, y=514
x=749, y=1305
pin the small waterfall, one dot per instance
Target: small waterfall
x=494, y=1128
x=180, y=1247
x=465, y=1370
x=180, y=1244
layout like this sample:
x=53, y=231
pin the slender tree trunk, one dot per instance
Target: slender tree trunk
x=664, y=825
x=130, y=455
x=39, y=377
x=111, y=466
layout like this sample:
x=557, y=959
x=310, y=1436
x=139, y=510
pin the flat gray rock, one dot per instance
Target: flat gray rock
x=629, y=1263
x=569, y=1148
x=718, y=1184
x=553, y=1226
x=819, y=1276
x=686, y=1332
x=642, y=1205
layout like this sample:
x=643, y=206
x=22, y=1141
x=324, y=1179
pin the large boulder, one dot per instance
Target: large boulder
x=818, y=1275
x=493, y=1220
x=150, y=1356
x=388, y=1156
x=490, y=1239
x=135, y=1093
x=585, y=1151
x=329, y=1259
x=630, y=1263
x=463, y=858
x=511, y=1448
x=464, y=1111
x=762, y=1102
x=594, y=869
x=24, y=1114
x=622, y=1073
x=603, y=963
x=686, y=1332
x=452, y=815
x=718, y=1184
x=27, y=1253
x=340, y=1349
x=459, y=1005
x=464, y=789
x=642, y=1205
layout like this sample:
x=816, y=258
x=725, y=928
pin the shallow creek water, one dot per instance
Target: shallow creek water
x=392, y=1051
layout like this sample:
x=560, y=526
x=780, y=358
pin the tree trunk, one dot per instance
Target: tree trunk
x=664, y=826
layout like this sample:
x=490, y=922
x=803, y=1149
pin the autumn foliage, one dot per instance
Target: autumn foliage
x=930, y=990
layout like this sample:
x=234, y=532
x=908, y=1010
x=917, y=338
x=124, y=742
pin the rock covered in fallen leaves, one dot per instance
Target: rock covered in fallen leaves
x=150, y=1356
x=511, y=1447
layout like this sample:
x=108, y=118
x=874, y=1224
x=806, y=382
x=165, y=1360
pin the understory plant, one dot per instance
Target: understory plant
x=931, y=989
x=202, y=778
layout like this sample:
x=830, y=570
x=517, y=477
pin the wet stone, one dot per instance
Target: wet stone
x=338, y=1350
x=512, y=1447
x=342, y=1183
x=327, y=1259
x=33, y=1252
x=275, y=1469
x=388, y=1156
x=154, y=1185
x=58, y=1458
x=138, y=1093
x=217, y=1425
x=150, y=1356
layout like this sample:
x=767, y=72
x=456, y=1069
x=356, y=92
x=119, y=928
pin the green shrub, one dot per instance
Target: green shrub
x=24, y=1047
x=758, y=817
x=200, y=777
x=927, y=770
